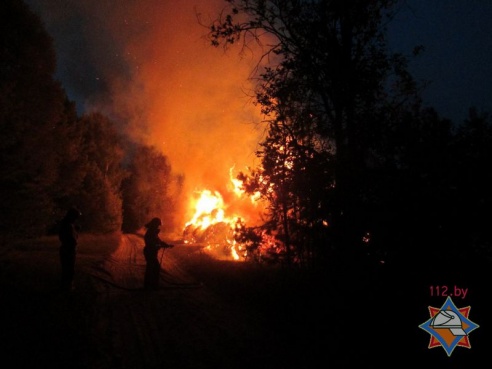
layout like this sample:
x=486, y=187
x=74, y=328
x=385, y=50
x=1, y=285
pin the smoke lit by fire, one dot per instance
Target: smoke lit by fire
x=147, y=64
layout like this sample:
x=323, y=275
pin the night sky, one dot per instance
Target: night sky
x=456, y=34
x=457, y=60
x=146, y=64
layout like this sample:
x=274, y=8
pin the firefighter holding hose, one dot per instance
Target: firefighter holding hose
x=153, y=244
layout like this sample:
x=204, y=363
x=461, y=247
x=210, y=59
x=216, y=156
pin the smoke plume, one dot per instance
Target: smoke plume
x=147, y=65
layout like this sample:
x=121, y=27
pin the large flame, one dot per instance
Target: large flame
x=214, y=224
x=209, y=210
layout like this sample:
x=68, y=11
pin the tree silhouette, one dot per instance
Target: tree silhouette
x=147, y=191
x=32, y=106
x=329, y=87
x=101, y=155
x=472, y=180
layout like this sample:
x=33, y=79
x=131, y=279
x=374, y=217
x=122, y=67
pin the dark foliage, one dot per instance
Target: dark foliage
x=32, y=107
x=150, y=190
x=353, y=167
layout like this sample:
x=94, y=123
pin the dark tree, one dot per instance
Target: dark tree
x=329, y=88
x=469, y=224
x=101, y=162
x=148, y=190
x=32, y=106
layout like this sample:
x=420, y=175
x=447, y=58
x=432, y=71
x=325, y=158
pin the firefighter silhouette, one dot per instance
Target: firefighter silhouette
x=153, y=244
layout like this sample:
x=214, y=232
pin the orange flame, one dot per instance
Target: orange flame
x=209, y=209
x=211, y=226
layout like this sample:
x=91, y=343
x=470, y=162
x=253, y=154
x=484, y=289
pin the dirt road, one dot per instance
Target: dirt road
x=182, y=325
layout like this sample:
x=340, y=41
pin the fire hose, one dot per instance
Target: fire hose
x=162, y=253
x=173, y=284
